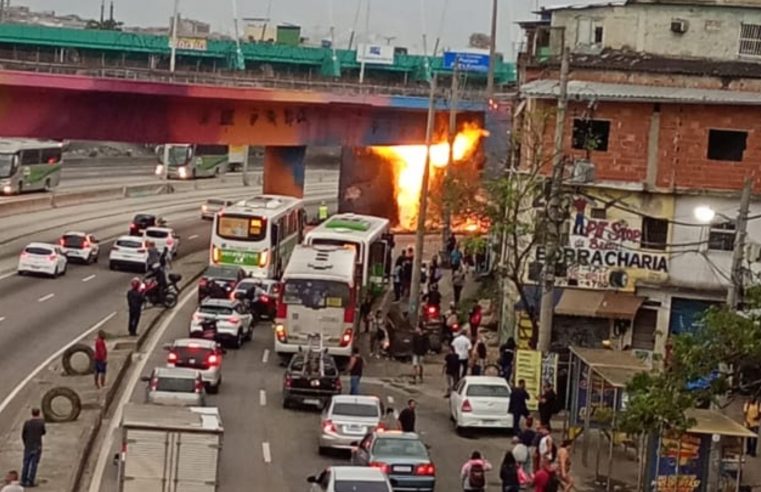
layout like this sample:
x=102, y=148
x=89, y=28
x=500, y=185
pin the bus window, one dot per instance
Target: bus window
x=30, y=157
x=212, y=150
x=378, y=258
x=51, y=156
x=275, y=235
x=316, y=294
x=245, y=228
x=8, y=165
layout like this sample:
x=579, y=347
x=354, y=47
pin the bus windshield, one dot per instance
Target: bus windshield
x=178, y=155
x=6, y=165
x=316, y=294
x=241, y=228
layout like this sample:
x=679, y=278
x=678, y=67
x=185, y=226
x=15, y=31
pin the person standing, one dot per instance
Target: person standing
x=101, y=359
x=322, y=211
x=364, y=311
x=475, y=320
x=564, y=465
x=479, y=352
x=548, y=403
x=455, y=258
x=407, y=417
x=434, y=272
x=473, y=473
x=135, y=301
x=356, y=366
x=377, y=333
x=545, y=479
x=462, y=347
x=752, y=414
x=419, y=349
x=519, y=405
x=407, y=264
x=521, y=454
x=12, y=483
x=458, y=283
x=508, y=472
x=397, y=277
x=31, y=435
x=451, y=370
x=580, y=204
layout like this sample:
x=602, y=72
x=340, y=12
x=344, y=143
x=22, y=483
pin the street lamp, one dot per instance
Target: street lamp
x=704, y=214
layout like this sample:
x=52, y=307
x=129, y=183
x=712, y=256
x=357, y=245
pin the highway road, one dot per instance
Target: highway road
x=40, y=315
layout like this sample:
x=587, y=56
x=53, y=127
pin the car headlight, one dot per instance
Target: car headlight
x=7, y=189
x=183, y=172
x=159, y=170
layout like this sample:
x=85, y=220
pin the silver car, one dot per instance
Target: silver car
x=347, y=419
x=176, y=387
x=204, y=356
x=212, y=206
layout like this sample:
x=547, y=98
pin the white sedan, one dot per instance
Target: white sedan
x=340, y=478
x=481, y=401
x=42, y=258
x=163, y=238
x=80, y=246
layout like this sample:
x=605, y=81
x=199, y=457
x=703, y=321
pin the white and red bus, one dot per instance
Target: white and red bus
x=319, y=295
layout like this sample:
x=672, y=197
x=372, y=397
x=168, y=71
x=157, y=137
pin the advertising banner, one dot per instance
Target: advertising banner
x=375, y=54
x=191, y=44
x=680, y=464
x=466, y=61
x=528, y=366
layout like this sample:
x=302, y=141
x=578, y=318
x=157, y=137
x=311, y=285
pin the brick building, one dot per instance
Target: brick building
x=664, y=116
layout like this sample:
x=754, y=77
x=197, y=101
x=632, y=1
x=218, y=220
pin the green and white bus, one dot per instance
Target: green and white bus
x=258, y=234
x=371, y=238
x=28, y=165
x=193, y=161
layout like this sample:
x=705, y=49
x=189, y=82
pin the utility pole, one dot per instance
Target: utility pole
x=446, y=231
x=367, y=41
x=244, y=175
x=422, y=209
x=173, y=58
x=738, y=254
x=552, y=240
x=492, y=51
x=2, y=10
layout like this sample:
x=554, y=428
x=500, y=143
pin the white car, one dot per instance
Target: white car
x=481, y=401
x=80, y=246
x=163, y=238
x=340, y=478
x=233, y=321
x=213, y=205
x=42, y=258
x=129, y=252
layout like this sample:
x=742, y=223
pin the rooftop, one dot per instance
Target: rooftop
x=620, y=3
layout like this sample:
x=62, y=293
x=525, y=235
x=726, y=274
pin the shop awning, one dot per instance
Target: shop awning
x=579, y=303
x=619, y=306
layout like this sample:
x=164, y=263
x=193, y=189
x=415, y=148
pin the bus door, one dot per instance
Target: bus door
x=275, y=260
x=388, y=238
x=378, y=266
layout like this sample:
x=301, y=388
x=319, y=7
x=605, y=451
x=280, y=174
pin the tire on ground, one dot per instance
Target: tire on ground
x=75, y=349
x=61, y=392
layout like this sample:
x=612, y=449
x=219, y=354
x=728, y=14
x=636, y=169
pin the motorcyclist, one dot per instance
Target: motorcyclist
x=433, y=296
x=156, y=270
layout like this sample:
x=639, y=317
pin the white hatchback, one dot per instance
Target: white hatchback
x=80, y=246
x=129, y=251
x=163, y=238
x=42, y=258
x=481, y=401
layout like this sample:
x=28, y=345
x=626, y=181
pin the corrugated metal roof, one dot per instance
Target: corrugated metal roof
x=600, y=91
x=582, y=6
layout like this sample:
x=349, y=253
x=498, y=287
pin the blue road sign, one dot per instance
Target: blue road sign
x=469, y=62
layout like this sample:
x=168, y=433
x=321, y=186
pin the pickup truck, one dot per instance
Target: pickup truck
x=311, y=378
x=162, y=447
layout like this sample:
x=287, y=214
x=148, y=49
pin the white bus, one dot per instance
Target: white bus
x=370, y=236
x=193, y=161
x=28, y=165
x=318, y=297
x=258, y=234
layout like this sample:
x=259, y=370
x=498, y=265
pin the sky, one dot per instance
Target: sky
x=402, y=19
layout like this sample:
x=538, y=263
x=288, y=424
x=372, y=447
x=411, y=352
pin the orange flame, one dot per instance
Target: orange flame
x=409, y=164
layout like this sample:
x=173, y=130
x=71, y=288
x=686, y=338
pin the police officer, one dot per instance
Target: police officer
x=135, y=306
x=322, y=212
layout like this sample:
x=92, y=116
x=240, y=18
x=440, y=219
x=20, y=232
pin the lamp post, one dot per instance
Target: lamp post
x=173, y=57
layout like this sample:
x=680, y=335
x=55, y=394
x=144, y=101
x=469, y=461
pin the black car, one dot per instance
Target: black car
x=140, y=223
x=218, y=282
x=261, y=294
x=311, y=378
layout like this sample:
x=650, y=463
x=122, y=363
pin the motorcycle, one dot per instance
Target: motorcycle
x=156, y=296
x=452, y=327
x=433, y=323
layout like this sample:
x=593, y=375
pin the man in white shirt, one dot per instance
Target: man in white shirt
x=462, y=347
x=11, y=482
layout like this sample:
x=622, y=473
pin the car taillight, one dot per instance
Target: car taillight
x=234, y=320
x=172, y=358
x=212, y=359
x=52, y=257
x=86, y=244
x=288, y=381
x=154, y=384
x=466, y=406
x=427, y=469
x=380, y=427
x=281, y=334
x=381, y=466
x=203, y=282
x=62, y=242
x=24, y=254
x=329, y=426
x=197, y=317
x=169, y=242
x=346, y=337
x=199, y=386
x=455, y=327
x=264, y=298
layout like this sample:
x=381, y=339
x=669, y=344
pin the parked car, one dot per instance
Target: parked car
x=233, y=322
x=481, y=401
x=261, y=295
x=47, y=259
x=163, y=238
x=347, y=418
x=350, y=478
x=203, y=355
x=402, y=456
x=129, y=252
x=219, y=281
x=311, y=378
x=80, y=246
x=213, y=205
x=141, y=222
x=175, y=386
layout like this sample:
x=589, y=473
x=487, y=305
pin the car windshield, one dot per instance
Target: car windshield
x=143, y=219
x=35, y=250
x=176, y=385
x=399, y=448
x=359, y=486
x=218, y=310
x=316, y=294
x=217, y=203
x=488, y=390
x=6, y=165
x=221, y=273
x=246, y=285
x=73, y=241
x=355, y=410
x=126, y=243
x=157, y=234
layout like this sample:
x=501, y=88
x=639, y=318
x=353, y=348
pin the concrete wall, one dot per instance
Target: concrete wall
x=713, y=32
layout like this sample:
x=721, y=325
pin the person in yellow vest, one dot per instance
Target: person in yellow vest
x=752, y=413
x=322, y=212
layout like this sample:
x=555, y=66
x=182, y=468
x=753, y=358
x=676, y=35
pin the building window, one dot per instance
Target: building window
x=598, y=35
x=600, y=213
x=655, y=233
x=726, y=145
x=591, y=134
x=721, y=237
x=750, y=39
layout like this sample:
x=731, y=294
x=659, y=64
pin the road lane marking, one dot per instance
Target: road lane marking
x=265, y=356
x=87, y=279
x=2, y=318
x=8, y=399
x=262, y=398
x=266, y=452
x=194, y=236
x=7, y=275
x=46, y=298
x=105, y=456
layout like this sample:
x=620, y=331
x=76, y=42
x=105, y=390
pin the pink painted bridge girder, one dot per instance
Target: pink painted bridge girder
x=83, y=107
